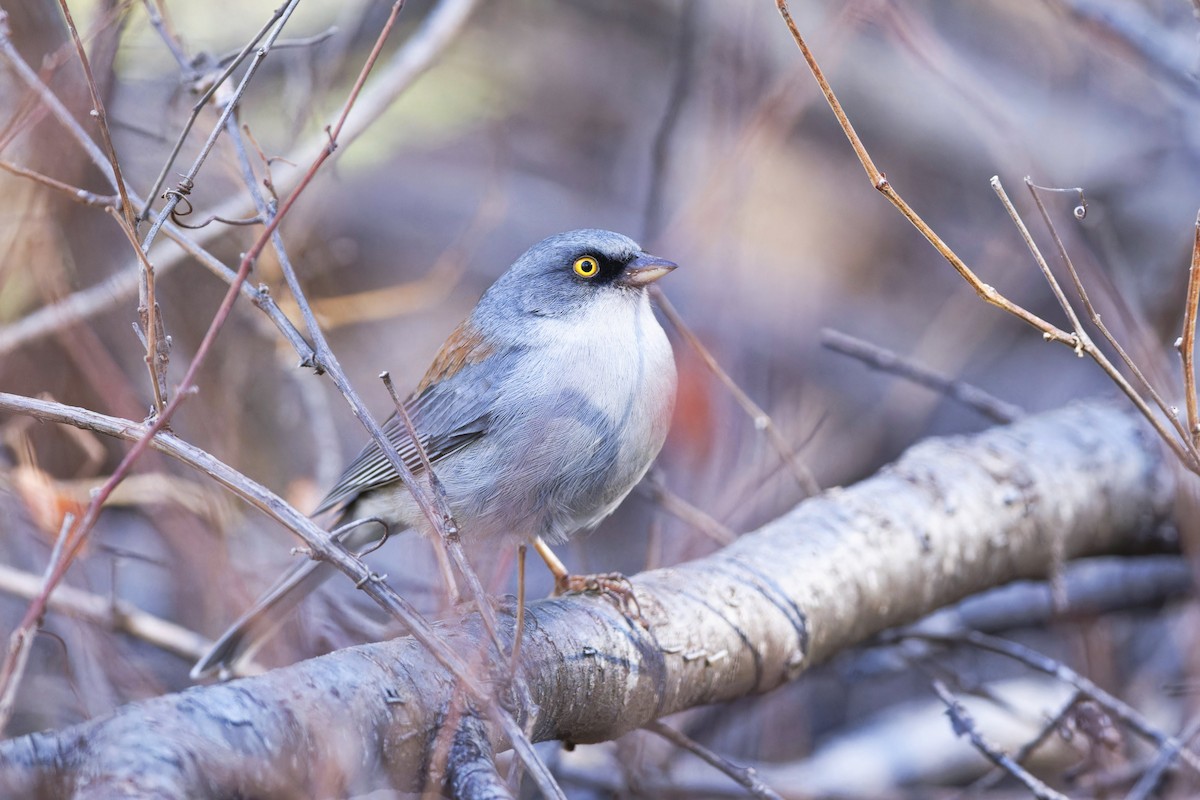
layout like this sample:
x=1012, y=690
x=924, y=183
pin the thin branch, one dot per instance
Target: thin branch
x=74, y=192
x=199, y=105
x=20, y=641
x=154, y=336
x=761, y=420
x=114, y=614
x=1050, y=332
x=169, y=39
x=1026, y=750
x=1187, y=342
x=100, y=115
x=990, y=406
x=1191, y=455
x=174, y=196
x=1148, y=783
x=1042, y=663
x=986, y=292
x=654, y=488
x=964, y=725
x=746, y=777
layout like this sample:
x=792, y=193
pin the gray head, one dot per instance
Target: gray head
x=560, y=273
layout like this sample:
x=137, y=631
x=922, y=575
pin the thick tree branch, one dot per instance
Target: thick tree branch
x=954, y=516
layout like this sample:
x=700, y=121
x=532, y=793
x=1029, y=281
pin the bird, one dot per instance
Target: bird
x=539, y=414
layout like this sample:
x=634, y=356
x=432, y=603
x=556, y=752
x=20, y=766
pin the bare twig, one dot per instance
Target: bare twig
x=1147, y=784
x=20, y=641
x=987, y=293
x=745, y=776
x=74, y=192
x=654, y=488
x=216, y=83
x=964, y=725
x=418, y=53
x=435, y=486
x=169, y=39
x=174, y=196
x=1042, y=663
x=100, y=116
x=154, y=332
x=886, y=360
x=1185, y=441
x=1082, y=339
x=1077, y=340
x=114, y=614
x=1187, y=341
x=762, y=421
x=660, y=149
x=1051, y=726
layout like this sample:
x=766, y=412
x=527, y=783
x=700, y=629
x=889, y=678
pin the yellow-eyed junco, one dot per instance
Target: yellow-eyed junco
x=539, y=414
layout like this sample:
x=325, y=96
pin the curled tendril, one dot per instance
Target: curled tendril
x=1080, y=211
x=180, y=194
x=183, y=207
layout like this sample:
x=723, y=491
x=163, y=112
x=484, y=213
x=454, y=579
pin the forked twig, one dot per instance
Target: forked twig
x=1076, y=340
x=1049, y=331
x=1026, y=750
x=964, y=725
x=200, y=103
x=1083, y=341
x=1170, y=413
x=1042, y=663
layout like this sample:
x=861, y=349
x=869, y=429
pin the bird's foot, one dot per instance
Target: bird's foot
x=613, y=586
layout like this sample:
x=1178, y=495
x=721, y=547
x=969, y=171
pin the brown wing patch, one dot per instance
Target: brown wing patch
x=464, y=346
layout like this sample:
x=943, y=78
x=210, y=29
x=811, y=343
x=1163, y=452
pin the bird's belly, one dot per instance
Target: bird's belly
x=573, y=449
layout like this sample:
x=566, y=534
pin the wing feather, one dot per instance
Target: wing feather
x=450, y=409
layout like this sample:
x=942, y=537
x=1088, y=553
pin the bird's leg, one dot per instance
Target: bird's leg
x=613, y=585
x=557, y=568
x=519, y=628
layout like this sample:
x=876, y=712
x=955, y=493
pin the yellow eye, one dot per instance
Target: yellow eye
x=586, y=267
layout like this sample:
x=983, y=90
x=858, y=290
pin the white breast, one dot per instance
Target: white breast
x=614, y=358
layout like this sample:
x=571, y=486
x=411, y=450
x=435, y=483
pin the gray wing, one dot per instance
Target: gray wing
x=447, y=416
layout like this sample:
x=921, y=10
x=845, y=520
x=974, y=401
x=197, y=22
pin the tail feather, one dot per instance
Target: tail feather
x=253, y=627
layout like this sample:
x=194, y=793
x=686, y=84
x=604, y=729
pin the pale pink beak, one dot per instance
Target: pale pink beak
x=645, y=270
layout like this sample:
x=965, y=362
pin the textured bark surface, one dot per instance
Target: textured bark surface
x=952, y=517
